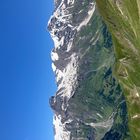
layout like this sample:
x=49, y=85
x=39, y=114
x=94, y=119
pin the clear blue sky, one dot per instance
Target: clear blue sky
x=26, y=77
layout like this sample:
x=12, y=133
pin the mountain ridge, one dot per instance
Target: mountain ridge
x=89, y=103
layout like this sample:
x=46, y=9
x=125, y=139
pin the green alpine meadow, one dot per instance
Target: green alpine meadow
x=123, y=20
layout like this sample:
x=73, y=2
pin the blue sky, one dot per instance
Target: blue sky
x=26, y=77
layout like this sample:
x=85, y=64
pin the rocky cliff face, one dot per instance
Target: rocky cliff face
x=88, y=104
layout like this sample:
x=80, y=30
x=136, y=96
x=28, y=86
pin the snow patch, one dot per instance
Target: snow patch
x=69, y=45
x=54, y=56
x=53, y=67
x=59, y=74
x=71, y=2
x=60, y=132
x=69, y=75
x=99, y=115
x=87, y=19
x=56, y=41
x=105, y=124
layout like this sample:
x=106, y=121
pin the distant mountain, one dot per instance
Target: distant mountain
x=90, y=103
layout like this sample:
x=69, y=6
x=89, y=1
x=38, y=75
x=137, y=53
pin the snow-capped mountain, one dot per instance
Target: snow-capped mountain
x=88, y=100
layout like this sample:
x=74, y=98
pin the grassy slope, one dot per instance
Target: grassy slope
x=98, y=91
x=123, y=20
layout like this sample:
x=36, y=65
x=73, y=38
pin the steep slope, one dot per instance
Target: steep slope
x=89, y=104
x=123, y=19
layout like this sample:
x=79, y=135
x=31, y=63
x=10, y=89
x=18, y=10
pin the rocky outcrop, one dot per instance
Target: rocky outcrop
x=88, y=104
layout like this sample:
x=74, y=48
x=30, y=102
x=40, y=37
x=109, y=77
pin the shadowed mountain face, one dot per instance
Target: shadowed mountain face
x=89, y=103
x=123, y=20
